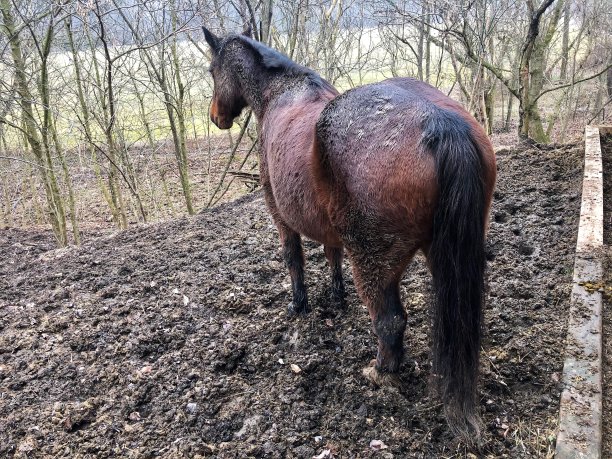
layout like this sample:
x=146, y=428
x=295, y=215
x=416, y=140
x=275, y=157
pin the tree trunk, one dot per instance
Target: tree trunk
x=489, y=108
x=427, y=43
x=531, y=73
x=420, y=48
x=43, y=159
x=565, y=43
x=178, y=143
x=266, y=21
x=180, y=116
x=114, y=151
x=86, y=120
x=68, y=181
x=143, y=113
x=7, y=210
x=111, y=192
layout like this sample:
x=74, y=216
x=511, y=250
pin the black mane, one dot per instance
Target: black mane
x=277, y=63
x=272, y=58
x=275, y=60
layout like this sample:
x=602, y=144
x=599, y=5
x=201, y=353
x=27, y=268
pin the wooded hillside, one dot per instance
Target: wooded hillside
x=104, y=104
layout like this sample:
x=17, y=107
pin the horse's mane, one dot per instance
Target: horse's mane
x=272, y=59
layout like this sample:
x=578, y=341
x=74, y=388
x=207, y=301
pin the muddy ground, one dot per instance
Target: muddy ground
x=171, y=339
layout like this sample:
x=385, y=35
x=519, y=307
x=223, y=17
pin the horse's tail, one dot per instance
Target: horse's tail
x=457, y=262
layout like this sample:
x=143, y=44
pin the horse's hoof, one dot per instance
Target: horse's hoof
x=381, y=378
x=338, y=297
x=338, y=303
x=294, y=310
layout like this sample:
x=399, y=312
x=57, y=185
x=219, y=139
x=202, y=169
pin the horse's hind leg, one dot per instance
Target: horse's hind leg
x=377, y=281
x=334, y=258
x=389, y=323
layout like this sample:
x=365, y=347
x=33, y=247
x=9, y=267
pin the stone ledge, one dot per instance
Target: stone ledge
x=580, y=428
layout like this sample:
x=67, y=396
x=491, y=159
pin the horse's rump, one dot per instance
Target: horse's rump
x=369, y=159
x=370, y=152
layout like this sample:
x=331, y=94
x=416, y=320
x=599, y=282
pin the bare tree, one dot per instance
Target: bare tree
x=113, y=96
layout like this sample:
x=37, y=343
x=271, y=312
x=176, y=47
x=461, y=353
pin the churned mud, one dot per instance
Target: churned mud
x=171, y=340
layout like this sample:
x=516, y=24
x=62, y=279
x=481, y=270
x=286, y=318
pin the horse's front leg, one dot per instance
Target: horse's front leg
x=293, y=255
x=294, y=259
x=334, y=257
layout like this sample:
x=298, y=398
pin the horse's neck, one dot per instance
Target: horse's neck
x=263, y=91
x=298, y=90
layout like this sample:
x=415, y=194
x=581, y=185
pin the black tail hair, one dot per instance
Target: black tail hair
x=457, y=262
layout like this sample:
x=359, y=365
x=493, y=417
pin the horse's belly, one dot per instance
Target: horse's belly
x=296, y=199
x=299, y=208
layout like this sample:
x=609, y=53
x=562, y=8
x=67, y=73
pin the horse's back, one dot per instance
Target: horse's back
x=372, y=162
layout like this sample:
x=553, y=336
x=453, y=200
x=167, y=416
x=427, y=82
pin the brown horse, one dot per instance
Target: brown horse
x=384, y=170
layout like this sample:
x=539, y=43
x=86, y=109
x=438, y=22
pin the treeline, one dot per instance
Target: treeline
x=104, y=103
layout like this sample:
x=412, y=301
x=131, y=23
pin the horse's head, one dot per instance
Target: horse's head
x=228, y=98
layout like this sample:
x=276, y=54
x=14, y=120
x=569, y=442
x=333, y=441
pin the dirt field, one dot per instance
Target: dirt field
x=171, y=339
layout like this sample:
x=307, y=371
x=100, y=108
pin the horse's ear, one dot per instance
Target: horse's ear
x=212, y=40
x=248, y=31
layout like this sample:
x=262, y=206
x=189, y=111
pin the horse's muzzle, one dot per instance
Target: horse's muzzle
x=222, y=123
